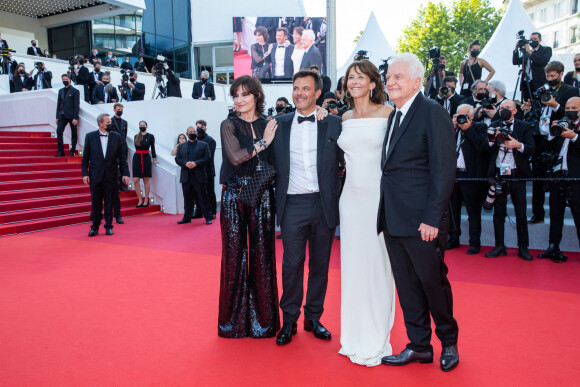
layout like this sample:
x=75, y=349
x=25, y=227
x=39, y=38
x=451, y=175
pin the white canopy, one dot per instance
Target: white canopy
x=372, y=40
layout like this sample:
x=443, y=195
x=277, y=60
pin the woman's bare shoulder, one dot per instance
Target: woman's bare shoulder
x=385, y=111
x=349, y=114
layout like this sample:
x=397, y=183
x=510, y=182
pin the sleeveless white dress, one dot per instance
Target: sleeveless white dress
x=367, y=284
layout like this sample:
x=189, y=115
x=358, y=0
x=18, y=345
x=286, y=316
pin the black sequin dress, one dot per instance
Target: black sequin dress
x=248, y=303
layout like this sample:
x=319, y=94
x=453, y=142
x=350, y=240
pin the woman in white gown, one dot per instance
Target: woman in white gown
x=367, y=285
x=298, y=52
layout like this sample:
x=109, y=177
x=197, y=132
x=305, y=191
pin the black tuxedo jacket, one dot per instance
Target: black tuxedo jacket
x=288, y=64
x=138, y=92
x=522, y=131
x=209, y=91
x=329, y=155
x=30, y=51
x=68, y=103
x=539, y=59
x=470, y=100
x=19, y=84
x=454, y=101
x=83, y=76
x=122, y=130
x=311, y=57
x=104, y=169
x=573, y=157
x=212, y=147
x=418, y=170
x=99, y=94
x=92, y=82
x=475, y=149
x=201, y=158
x=562, y=96
x=46, y=80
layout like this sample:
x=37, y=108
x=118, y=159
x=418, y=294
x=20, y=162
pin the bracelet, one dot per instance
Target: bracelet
x=262, y=144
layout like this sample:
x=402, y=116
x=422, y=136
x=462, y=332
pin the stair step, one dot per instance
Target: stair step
x=42, y=193
x=30, y=204
x=28, y=153
x=24, y=176
x=42, y=160
x=43, y=224
x=28, y=140
x=17, y=133
x=41, y=167
x=38, y=184
x=39, y=146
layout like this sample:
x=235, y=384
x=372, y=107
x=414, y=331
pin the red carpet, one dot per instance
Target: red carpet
x=139, y=308
x=242, y=63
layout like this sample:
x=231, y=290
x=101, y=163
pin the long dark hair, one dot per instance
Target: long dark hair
x=369, y=69
x=139, y=136
x=252, y=86
x=181, y=134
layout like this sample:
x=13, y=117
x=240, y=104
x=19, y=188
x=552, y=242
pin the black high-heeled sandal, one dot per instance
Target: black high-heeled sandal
x=139, y=205
x=146, y=205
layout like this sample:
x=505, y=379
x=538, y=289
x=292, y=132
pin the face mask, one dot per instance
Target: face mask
x=142, y=128
x=119, y=113
x=200, y=132
x=572, y=115
x=204, y=81
x=192, y=136
x=46, y=53
x=534, y=44
x=505, y=114
x=132, y=80
x=441, y=66
x=279, y=108
x=480, y=96
x=554, y=82
x=34, y=44
x=105, y=83
x=96, y=53
x=22, y=72
x=577, y=69
x=109, y=56
x=109, y=128
x=65, y=83
x=127, y=60
x=475, y=53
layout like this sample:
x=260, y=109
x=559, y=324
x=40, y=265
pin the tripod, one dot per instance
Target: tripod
x=523, y=77
x=160, y=90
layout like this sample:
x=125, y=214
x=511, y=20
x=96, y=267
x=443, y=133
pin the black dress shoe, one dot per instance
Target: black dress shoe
x=552, y=250
x=524, y=253
x=123, y=188
x=139, y=205
x=559, y=257
x=197, y=215
x=320, y=332
x=449, y=358
x=536, y=219
x=72, y=153
x=109, y=231
x=473, y=250
x=208, y=221
x=59, y=154
x=119, y=220
x=452, y=245
x=145, y=205
x=184, y=220
x=93, y=232
x=497, y=251
x=279, y=236
x=286, y=333
x=408, y=356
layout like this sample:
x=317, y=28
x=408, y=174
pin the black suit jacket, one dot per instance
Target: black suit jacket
x=173, y=87
x=454, y=101
x=212, y=147
x=209, y=91
x=138, y=92
x=573, y=156
x=46, y=80
x=470, y=101
x=562, y=96
x=122, y=130
x=288, y=64
x=311, y=57
x=475, y=149
x=539, y=59
x=19, y=84
x=30, y=51
x=99, y=94
x=68, y=103
x=418, y=170
x=92, y=82
x=103, y=169
x=329, y=155
x=522, y=131
x=201, y=158
x=4, y=44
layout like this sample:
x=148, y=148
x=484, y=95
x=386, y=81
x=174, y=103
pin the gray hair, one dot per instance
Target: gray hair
x=466, y=105
x=499, y=86
x=416, y=68
x=101, y=117
x=309, y=35
x=475, y=83
x=204, y=73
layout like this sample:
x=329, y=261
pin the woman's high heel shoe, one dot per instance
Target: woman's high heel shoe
x=146, y=205
x=139, y=205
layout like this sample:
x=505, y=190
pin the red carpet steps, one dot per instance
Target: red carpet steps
x=39, y=191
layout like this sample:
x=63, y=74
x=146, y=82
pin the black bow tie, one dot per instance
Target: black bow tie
x=103, y=135
x=309, y=118
x=279, y=46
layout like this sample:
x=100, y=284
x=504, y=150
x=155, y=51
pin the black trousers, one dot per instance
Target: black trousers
x=209, y=192
x=559, y=193
x=304, y=222
x=538, y=171
x=62, y=122
x=424, y=290
x=193, y=190
x=517, y=191
x=473, y=195
x=102, y=192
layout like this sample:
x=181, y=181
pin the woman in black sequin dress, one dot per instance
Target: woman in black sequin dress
x=248, y=304
x=142, y=162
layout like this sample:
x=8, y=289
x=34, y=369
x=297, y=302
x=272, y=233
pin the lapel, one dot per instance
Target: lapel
x=322, y=126
x=109, y=145
x=404, y=124
x=286, y=140
x=98, y=140
x=383, y=151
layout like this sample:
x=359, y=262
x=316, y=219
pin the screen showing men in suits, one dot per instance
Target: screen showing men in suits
x=273, y=49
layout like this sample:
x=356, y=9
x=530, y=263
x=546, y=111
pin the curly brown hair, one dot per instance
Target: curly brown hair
x=262, y=31
x=252, y=86
x=369, y=69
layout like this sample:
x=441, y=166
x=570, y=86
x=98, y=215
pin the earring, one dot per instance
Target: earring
x=371, y=93
x=348, y=94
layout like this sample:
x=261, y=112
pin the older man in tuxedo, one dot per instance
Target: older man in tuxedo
x=312, y=55
x=418, y=172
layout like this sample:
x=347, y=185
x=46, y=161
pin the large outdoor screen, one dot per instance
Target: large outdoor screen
x=275, y=48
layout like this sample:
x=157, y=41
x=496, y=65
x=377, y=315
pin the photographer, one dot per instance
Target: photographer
x=447, y=96
x=471, y=68
x=81, y=76
x=533, y=58
x=105, y=92
x=434, y=81
x=563, y=142
x=173, y=82
x=203, y=90
x=478, y=94
x=472, y=162
x=282, y=107
x=21, y=79
x=330, y=103
x=552, y=101
x=512, y=146
x=42, y=78
x=135, y=91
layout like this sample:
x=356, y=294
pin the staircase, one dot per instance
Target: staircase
x=39, y=191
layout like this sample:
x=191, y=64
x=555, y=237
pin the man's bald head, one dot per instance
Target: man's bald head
x=508, y=104
x=573, y=104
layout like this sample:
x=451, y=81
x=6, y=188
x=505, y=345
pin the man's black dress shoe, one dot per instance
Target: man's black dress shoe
x=279, y=236
x=184, y=220
x=208, y=221
x=213, y=216
x=559, y=257
x=59, y=155
x=536, y=219
x=473, y=250
x=93, y=232
x=497, y=251
x=197, y=215
x=285, y=334
x=452, y=245
x=408, y=356
x=123, y=188
x=109, y=231
x=72, y=153
x=552, y=250
x=449, y=358
x=119, y=220
x=524, y=253
x=320, y=332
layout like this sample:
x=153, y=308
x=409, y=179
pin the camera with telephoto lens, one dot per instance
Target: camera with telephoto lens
x=270, y=111
x=231, y=113
x=332, y=105
x=503, y=135
x=462, y=119
x=494, y=192
x=444, y=90
x=543, y=93
x=522, y=41
x=558, y=129
x=546, y=160
x=288, y=109
x=39, y=66
x=362, y=54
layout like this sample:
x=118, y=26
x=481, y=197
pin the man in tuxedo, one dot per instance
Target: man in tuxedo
x=533, y=57
x=120, y=126
x=552, y=110
x=105, y=92
x=95, y=78
x=567, y=148
x=282, y=65
x=511, y=159
x=472, y=151
x=418, y=166
x=478, y=93
x=450, y=100
x=33, y=50
x=43, y=78
x=82, y=76
x=193, y=156
x=203, y=90
x=312, y=55
x=102, y=156
x=135, y=90
x=21, y=80
x=201, y=127
x=67, y=112
x=307, y=193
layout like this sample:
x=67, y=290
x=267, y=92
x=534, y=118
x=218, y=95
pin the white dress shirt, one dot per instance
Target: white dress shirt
x=403, y=111
x=506, y=155
x=303, y=153
x=460, y=158
x=280, y=54
x=104, y=142
x=564, y=150
x=203, y=91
